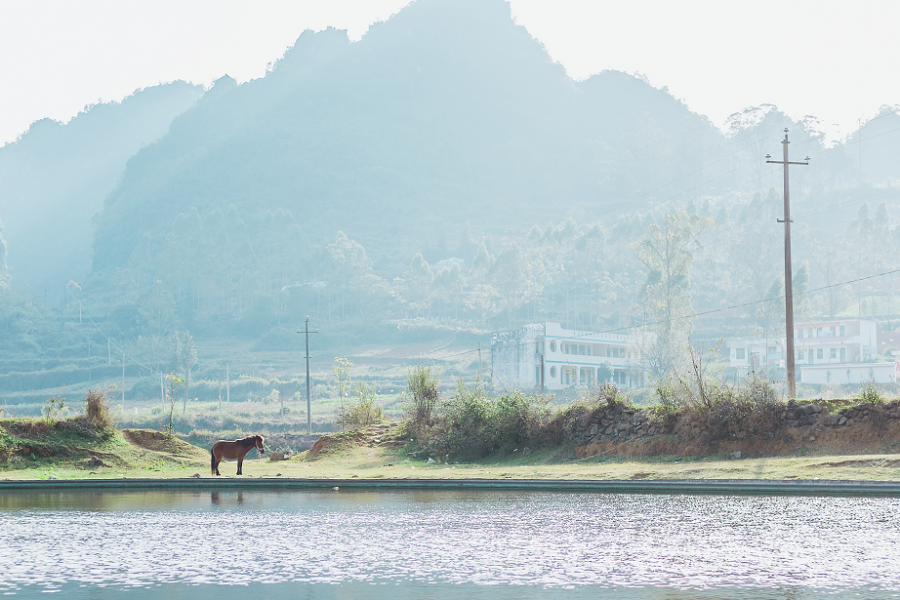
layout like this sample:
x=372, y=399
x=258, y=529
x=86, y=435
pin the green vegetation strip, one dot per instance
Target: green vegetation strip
x=671, y=486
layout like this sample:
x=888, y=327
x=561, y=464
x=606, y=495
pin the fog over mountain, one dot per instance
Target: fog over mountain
x=447, y=113
x=54, y=178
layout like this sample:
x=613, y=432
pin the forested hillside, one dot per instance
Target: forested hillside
x=54, y=178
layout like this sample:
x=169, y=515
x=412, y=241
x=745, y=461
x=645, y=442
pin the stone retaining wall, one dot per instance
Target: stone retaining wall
x=617, y=423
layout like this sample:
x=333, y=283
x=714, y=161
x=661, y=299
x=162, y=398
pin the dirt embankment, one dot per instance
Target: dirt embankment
x=283, y=442
x=41, y=439
x=376, y=436
x=163, y=443
x=25, y=443
x=791, y=429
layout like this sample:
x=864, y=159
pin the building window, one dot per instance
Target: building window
x=820, y=353
x=843, y=331
x=552, y=346
x=581, y=350
x=740, y=353
x=537, y=374
x=844, y=357
x=833, y=353
x=553, y=372
x=801, y=354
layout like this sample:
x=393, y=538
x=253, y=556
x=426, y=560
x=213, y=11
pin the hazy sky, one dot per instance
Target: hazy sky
x=835, y=60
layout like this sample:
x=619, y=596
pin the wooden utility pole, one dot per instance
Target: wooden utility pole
x=788, y=271
x=308, y=402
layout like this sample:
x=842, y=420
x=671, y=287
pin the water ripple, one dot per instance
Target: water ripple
x=554, y=540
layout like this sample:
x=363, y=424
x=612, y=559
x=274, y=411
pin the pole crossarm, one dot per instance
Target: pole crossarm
x=781, y=162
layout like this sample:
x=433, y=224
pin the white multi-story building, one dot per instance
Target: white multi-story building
x=840, y=351
x=545, y=353
x=835, y=342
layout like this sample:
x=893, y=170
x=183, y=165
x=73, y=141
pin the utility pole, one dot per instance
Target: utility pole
x=123, y=383
x=308, y=403
x=788, y=271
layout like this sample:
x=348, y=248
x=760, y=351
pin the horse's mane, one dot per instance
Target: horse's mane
x=250, y=440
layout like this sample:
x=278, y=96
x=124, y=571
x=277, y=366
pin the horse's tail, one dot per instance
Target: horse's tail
x=212, y=462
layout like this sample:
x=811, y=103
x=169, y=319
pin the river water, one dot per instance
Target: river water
x=466, y=544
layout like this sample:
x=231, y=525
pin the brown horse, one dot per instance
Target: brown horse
x=237, y=449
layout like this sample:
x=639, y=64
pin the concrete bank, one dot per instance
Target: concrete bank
x=667, y=486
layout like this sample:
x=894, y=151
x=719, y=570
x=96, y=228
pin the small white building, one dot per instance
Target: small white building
x=753, y=355
x=570, y=358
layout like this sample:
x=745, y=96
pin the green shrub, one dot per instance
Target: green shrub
x=870, y=393
x=717, y=407
x=472, y=425
x=54, y=409
x=421, y=396
x=364, y=411
x=96, y=410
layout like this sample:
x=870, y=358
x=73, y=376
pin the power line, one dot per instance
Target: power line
x=745, y=304
x=109, y=340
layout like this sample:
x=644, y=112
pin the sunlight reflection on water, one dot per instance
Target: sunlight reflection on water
x=546, y=541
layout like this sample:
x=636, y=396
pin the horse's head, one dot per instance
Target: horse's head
x=260, y=447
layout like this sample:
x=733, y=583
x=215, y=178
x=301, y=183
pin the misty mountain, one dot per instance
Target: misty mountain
x=53, y=180
x=445, y=114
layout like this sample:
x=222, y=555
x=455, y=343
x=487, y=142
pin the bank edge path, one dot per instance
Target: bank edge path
x=609, y=486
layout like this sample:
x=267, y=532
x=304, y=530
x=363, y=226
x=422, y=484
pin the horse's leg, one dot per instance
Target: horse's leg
x=240, y=463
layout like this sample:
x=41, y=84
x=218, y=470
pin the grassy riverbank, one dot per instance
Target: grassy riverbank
x=732, y=433
x=136, y=455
